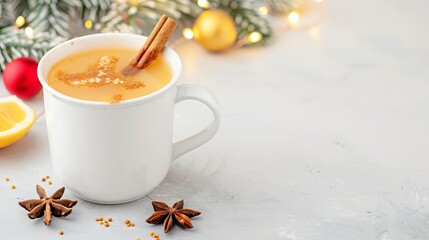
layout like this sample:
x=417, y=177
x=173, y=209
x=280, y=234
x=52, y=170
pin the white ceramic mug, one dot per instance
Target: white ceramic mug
x=116, y=153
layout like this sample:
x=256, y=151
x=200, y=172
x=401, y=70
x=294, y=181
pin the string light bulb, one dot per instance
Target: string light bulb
x=88, y=24
x=20, y=21
x=203, y=3
x=29, y=32
x=263, y=10
x=293, y=18
x=188, y=33
x=254, y=37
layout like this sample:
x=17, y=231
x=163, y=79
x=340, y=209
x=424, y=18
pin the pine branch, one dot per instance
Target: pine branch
x=5, y=17
x=19, y=8
x=140, y=16
x=14, y=43
x=47, y=16
x=247, y=19
x=90, y=9
x=282, y=6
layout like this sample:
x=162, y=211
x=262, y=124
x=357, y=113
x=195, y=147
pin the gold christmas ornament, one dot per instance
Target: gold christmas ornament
x=215, y=30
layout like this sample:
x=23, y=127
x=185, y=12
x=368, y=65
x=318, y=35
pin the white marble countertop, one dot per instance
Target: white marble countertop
x=324, y=136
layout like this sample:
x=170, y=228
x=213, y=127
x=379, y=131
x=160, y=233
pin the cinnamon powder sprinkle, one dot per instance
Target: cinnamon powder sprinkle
x=117, y=97
x=100, y=74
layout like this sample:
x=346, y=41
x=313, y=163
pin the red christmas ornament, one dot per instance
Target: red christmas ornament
x=20, y=77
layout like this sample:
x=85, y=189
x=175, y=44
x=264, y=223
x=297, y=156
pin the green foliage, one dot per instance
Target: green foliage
x=139, y=16
x=46, y=16
x=93, y=9
x=50, y=21
x=5, y=18
x=281, y=6
x=14, y=43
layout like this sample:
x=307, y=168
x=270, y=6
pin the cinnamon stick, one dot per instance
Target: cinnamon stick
x=152, y=47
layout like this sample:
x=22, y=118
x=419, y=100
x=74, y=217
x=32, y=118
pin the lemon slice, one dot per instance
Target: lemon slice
x=16, y=118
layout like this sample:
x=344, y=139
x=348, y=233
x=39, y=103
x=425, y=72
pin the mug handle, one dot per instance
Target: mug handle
x=205, y=96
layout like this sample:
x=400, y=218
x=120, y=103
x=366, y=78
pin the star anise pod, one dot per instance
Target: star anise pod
x=177, y=214
x=48, y=206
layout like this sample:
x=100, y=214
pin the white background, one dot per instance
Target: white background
x=324, y=136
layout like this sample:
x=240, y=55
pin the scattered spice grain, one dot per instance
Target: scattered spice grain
x=154, y=235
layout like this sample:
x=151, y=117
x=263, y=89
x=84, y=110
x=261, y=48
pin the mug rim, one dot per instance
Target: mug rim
x=133, y=101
